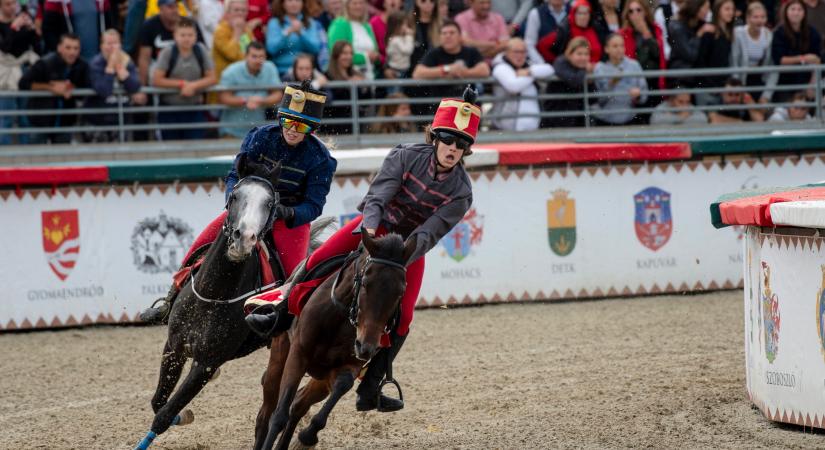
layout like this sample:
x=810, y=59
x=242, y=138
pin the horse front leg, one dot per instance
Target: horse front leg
x=167, y=416
x=312, y=393
x=271, y=383
x=294, y=370
x=343, y=383
x=171, y=366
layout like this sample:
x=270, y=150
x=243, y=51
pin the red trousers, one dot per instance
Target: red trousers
x=291, y=243
x=343, y=241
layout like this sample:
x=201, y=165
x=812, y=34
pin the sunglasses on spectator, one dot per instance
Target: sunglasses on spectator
x=450, y=139
x=299, y=127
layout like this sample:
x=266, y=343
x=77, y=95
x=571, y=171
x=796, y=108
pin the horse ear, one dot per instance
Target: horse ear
x=409, y=248
x=369, y=242
x=241, y=165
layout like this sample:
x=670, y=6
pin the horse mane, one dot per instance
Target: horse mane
x=389, y=246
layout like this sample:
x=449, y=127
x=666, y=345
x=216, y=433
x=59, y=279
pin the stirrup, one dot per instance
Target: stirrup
x=157, y=313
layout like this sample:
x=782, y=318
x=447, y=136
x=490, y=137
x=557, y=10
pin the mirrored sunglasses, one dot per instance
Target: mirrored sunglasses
x=448, y=139
x=299, y=127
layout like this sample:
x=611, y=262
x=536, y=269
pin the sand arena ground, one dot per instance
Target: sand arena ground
x=653, y=372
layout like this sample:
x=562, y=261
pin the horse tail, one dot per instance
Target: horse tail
x=316, y=229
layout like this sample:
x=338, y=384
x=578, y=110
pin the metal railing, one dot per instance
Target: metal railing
x=363, y=110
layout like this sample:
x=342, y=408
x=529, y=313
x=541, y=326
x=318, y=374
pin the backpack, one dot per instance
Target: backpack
x=173, y=58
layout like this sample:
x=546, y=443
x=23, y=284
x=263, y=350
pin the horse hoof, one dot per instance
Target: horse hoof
x=215, y=375
x=186, y=417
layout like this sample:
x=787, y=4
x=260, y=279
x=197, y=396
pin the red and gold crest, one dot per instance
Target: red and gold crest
x=61, y=240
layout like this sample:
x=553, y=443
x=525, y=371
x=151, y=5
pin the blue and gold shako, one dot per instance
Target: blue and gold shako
x=303, y=104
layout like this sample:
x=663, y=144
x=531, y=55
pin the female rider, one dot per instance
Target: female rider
x=306, y=174
x=421, y=192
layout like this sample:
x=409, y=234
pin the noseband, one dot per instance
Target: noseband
x=358, y=282
x=227, y=228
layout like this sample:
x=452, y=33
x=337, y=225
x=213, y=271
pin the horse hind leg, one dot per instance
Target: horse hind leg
x=171, y=366
x=312, y=393
x=343, y=383
x=271, y=382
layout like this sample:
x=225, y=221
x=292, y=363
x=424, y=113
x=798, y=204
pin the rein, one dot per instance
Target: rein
x=358, y=281
x=231, y=300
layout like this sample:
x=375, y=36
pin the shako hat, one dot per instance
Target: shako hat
x=302, y=103
x=460, y=117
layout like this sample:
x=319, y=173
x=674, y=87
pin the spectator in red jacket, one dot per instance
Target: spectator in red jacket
x=578, y=23
x=259, y=9
x=643, y=39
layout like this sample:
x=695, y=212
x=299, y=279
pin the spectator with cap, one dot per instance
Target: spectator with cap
x=111, y=69
x=483, y=29
x=542, y=21
x=185, y=66
x=451, y=60
x=517, y=82
x=156, y=34
x=247, y=106
x=58, y=73
x=18, y=39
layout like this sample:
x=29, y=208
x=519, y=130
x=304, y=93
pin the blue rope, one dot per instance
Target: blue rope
x=147, y=441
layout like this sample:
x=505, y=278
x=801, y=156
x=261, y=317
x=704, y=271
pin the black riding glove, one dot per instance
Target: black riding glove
x=285, y=213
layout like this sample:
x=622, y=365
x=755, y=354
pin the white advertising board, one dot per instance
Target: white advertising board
x=102, y=254
x=785, y=326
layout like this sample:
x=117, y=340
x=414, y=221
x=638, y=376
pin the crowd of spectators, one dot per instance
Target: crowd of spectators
x=528, y=47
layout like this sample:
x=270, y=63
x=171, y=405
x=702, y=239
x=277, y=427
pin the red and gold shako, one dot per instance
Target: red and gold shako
x=303, y=104
x=460, y=117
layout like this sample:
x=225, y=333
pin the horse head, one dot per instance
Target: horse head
x=382, y=270
x=250, y=207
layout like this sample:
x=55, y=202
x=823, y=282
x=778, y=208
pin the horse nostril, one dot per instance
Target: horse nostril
x=236, y=234
x=252, y=236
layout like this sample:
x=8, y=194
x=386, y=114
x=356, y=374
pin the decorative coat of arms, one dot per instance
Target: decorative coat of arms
x=770, y=314
x=61, y=240
x=160, y=243
x=561, y=222
x=466, y=234
x=654, y=223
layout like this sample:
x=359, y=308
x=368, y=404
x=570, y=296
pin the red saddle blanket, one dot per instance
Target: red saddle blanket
x=267, y=274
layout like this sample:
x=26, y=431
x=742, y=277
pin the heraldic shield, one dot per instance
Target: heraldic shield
x=654, y=223
x=466, y=234
x=61, y=240
x=561, y=222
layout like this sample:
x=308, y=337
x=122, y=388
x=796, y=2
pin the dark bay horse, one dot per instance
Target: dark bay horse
x=206, y=322
x=337, y=332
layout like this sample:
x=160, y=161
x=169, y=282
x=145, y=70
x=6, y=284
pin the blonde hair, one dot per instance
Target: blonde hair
x=362, y=19
x=575, y=44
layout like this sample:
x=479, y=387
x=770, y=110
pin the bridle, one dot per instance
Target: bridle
x=228, y=231
x=354, y=306
x=227, y=228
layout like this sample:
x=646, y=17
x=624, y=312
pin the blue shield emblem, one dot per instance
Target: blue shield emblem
x=654, y=223
x=467, y=233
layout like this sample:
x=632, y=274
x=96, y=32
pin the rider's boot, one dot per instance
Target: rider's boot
x=369, y=396
x=159, y=311
x=269, y=320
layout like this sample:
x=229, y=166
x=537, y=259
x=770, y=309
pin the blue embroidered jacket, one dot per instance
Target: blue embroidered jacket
x=306, y=170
